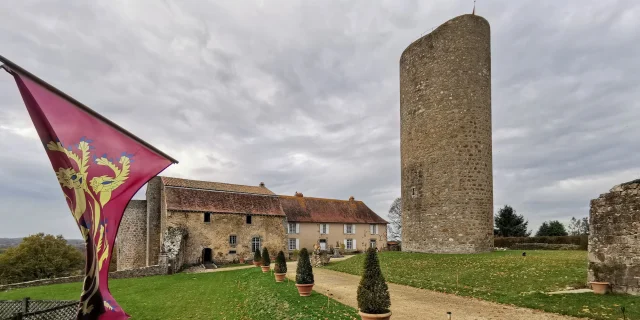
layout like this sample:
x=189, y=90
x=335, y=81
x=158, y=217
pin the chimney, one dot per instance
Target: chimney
x=262, y=184
x=298, y=194
x=351, y=198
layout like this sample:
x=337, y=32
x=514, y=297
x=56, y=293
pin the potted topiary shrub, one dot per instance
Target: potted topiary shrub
x=266, y=261
x=281, y=267
x=373, y=293
x=304, y=274
x=257, y=258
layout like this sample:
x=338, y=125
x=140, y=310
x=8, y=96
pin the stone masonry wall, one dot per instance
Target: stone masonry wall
x=446, y=147
x=154, y=198
x=215, y=234
x=132, y=236
x=614, y=239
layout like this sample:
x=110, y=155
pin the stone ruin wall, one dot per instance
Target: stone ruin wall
x=446, y=147
x=131, y=241
x=614, y=239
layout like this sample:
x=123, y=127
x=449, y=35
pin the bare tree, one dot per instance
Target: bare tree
x=395, y=217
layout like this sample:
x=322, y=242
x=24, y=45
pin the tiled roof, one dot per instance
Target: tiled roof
x=207, y=185
x=305, y=209
x=182, y=199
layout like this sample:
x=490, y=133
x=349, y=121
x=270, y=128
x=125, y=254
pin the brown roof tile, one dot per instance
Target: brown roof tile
x=305, y=209
x=208, y=185
x=181, y=199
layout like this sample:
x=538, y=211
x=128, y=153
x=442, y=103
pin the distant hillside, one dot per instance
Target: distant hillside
x=13, y=242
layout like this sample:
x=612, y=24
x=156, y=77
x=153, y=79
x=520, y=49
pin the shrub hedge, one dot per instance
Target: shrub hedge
x=508, y=242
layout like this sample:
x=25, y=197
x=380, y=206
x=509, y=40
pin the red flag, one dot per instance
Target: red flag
x=100, y=167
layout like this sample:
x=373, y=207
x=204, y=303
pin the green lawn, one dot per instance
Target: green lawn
x=238, y=294
x=504, y=277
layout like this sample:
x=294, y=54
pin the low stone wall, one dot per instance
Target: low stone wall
x=544, y=246
x=131, y=273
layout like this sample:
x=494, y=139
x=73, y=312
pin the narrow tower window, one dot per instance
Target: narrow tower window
x=207, y=217
x=248, y=219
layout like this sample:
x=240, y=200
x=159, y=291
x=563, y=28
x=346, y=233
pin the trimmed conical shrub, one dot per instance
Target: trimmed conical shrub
x=266, y=260
x=281, y=263
x=304, y=272
x=257, y=257
x=373, y=293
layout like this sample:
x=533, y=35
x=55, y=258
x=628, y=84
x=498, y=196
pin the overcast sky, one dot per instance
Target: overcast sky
x=304, y=95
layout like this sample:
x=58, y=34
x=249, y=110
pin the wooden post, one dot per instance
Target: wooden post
x=25, y=305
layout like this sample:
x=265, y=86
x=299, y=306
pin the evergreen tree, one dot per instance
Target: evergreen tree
x=256, y=256
x=281, y=263
x=266, y=260
x=373, y=293
x=304, y=272
x=553, y=228
x=510, y=224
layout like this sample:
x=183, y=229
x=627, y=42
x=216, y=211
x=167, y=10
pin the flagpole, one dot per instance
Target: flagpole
x=10, y=66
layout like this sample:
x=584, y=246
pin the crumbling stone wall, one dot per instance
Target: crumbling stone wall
x=614, y=239
x=174, y=245
x=446, y=147
x=215, y=234
x=132, y=236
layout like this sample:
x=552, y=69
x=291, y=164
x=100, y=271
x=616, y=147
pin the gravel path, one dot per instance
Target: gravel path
x=413, y=303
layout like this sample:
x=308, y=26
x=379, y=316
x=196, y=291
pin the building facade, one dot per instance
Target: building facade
x=330, y=223
x=197, y=222
x=219, y=222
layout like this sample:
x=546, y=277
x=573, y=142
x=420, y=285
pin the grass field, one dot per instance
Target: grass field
x=238, y=294
x=504, y=277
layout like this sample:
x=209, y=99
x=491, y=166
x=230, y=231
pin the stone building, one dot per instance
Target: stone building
x=614, y=238
x=446, y=151
x=198, y=222
x=331, y=222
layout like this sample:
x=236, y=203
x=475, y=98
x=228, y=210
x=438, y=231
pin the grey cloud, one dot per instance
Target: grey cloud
x=305, y=96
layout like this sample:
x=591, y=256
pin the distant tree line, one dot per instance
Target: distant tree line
x=507, y=223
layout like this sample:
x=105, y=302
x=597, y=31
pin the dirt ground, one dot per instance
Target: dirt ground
x=413, y=303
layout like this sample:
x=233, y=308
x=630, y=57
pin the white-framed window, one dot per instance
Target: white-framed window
x=350, y=229
x=349, y=244
x=324, y=228
x=294, y=244
x=233, y=239
x=373, y=228
x=293, y=228
x=255, y=244
x=372, y=243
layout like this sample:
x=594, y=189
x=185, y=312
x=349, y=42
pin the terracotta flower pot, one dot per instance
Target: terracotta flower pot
x=242, y=260
x=370, y=316
x=280, y=277
x=265, y=269
x=304, y=289
x=599, y=287
x=257, y=263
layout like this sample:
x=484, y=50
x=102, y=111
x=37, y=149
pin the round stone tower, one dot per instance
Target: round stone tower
x=446, y=158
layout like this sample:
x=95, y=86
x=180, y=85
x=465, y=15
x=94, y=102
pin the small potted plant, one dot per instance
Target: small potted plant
x=373, y=293
x=266, y=261
x=281, y=267
x=304, y=274
x=257, y=258
x=242, y=258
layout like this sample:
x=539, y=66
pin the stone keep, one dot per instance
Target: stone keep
x=446, y=158
x=614, y=238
